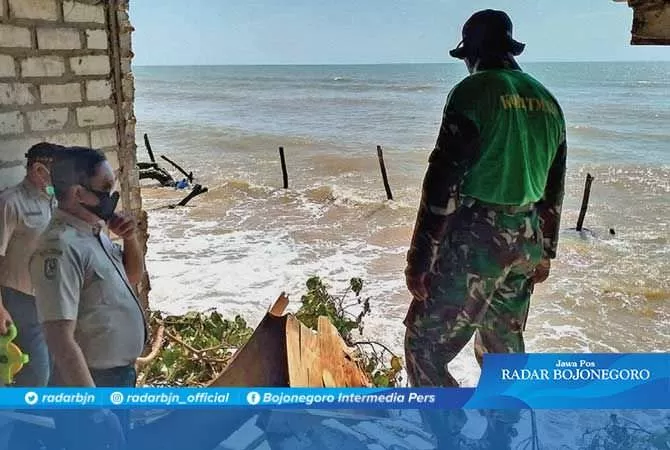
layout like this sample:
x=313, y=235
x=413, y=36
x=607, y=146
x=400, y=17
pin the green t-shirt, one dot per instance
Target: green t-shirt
x=521, y=126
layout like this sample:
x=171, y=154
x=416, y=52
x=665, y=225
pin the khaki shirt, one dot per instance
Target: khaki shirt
x=79, y=275
x=25, y=212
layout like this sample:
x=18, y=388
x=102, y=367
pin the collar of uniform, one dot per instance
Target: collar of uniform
x=79, y=224
x=32, y=189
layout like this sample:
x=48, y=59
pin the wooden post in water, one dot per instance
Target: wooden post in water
x=585, y=201
x=189, y=176
x=283, y=167
x=380, y=155
x=197, y=190
x=148, y=146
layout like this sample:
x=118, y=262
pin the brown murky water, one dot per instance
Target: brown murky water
x=238, y=246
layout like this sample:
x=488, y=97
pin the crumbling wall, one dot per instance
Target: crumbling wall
x=65, y=77
x=651, y=22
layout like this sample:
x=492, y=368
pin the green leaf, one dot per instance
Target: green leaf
x=396, y=364
x=356, y=285
x=313, y=283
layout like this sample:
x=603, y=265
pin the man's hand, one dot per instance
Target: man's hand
x=123, y=226
x=418, y=284
x=5, y=320
x=541, y=271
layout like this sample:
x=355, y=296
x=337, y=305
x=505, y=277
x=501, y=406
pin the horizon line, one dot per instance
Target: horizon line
x=396, y=63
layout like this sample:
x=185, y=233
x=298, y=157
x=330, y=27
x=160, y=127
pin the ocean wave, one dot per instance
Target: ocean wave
x=592, y=131
x=358, y=87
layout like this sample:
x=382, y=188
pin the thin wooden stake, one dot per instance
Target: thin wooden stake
x=283, y=167
x=585, y=201
x=380, y=155
x=189, y=176
x=149, y=150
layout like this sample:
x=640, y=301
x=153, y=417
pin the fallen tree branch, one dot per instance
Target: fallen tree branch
x=175, y=339
x=373, y=343
x=155, y=348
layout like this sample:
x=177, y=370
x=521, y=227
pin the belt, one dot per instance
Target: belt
x=507, y=209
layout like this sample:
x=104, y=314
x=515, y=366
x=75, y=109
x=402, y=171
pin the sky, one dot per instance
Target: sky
x=220, y=32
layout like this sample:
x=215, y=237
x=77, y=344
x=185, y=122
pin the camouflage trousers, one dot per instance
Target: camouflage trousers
x=480, y=284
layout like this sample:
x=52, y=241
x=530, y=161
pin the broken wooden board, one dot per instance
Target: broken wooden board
x=261, y=362
x=283, y=352
x=321, y=358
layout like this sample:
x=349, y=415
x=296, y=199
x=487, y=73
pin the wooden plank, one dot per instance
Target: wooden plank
x=330, y=343
x=328, y=379
x=339, y=358
x=320, y=359
x=298, y=358
x=284, y=352
x=279, y=306
x=311, y=356
x=262, y=360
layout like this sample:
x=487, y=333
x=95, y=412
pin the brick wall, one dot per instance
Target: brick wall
x=65, y=77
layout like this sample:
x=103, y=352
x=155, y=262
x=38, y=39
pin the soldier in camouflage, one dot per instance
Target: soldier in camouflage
x=488, y=223
x=487, y=227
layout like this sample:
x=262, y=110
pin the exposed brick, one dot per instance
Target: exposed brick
x=96, y=39
x=130, y=131
x=16, y=94
x=15, y=149
x=112, y=157
x=126, y=65
x=80, y=12
x=58, y=38
x=128, y=85
x=135, y=200
x=60, y=93
x=48, y=119
x=43, y=66
x=98, y=90
x=104, y=138
x=11, y=123
x=125, y=40
x=7, y=66
x=95, y=115
x=11, y=36
x=76, y=139
x=34, y=9
x=90, y=65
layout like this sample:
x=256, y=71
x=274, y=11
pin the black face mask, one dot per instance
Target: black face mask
x=106, y=204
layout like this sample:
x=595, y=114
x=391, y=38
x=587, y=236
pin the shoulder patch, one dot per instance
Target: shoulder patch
x=50, y=268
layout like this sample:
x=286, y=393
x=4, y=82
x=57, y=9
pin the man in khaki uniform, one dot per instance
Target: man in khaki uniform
x=84, y=283
x=25, y=211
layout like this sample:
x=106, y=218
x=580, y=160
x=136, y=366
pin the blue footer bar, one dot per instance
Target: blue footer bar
x=534, y=381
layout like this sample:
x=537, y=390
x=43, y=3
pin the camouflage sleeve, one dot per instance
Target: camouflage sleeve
x=551, y=205
x=455, y=152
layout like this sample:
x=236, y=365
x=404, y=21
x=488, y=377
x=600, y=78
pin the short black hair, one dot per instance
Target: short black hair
x=43, y=152
x=76, y=167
